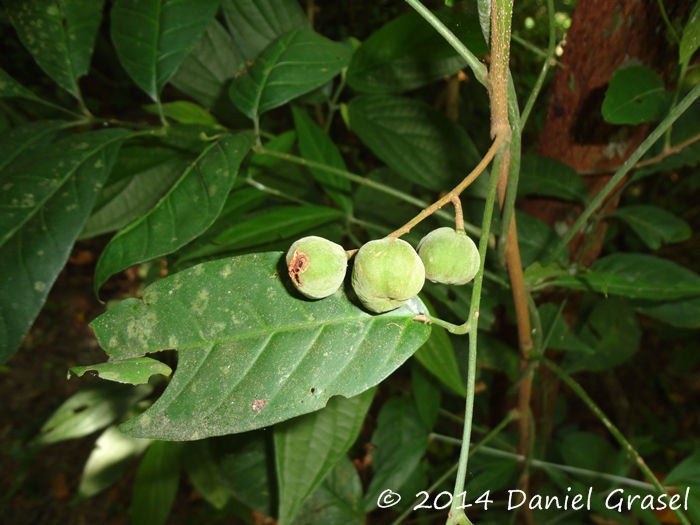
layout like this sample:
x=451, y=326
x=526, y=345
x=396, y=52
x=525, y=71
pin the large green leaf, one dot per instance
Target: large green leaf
x=60, y=35
x=92, y=408
x=637, y=276
x=134, y=196
x=9, y=87
x=690, y=41
x=549, y=177
x=295, y=63
x=205, y=73
x=684, y=313
x=426, y=394
x=136, y=371
x=400, y=441
x=309, y=446
x=407, y=53
x=337, y=500
x=107, y=462
x=201, y=468
x=654, y=225
x=45, y=204
x=186, y=211
x=636, y=94
x=252, y=353
x=316, y=146
x=418, y=142
x=278, y=223
x=153, y=37
x=246, y=466
x=554, y=327
x=31, y=138
x=155, y=486
x=256, y=23
x=611, y=330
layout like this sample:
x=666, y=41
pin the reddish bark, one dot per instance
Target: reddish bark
x=604, y=35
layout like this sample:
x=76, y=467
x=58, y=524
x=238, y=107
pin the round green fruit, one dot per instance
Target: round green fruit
x=317, y=266
x=386, y=274
x=449, y=256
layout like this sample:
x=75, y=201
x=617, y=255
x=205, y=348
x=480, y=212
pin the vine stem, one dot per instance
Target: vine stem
x=624, y=169
x=581, y=393
x=545, y=67
x=488, y=437
x=479, y=69
x=474, y=230
x=456, y=191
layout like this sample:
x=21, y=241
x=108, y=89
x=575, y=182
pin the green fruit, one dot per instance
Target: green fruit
x=317, y=266
x=386, y=274
x=449, y=256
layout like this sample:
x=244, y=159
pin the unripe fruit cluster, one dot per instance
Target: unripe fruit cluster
x=387, y=272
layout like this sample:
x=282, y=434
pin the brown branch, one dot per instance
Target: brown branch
x=459, y=217
x=500, y=139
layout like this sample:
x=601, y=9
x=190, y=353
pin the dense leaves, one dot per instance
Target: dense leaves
x=251, y=353
x=416, y=141
x=186, y=211
x=408, y=53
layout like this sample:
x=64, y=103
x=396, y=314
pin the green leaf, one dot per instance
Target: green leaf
x=400, y=441
x=690, y=41
x=426, y=394
x=60, y=35
x=202, y=470
x=256, y=23
x=245, y=464
x=654, y=225
x=337, y=500
x=153, y=37
x=560, y=338
x=295, y=63
x=155, y=486
x=494, y=477
x=231, y=320
x=309, y=446
x=9, y=87
x=278, y=223
x=186, y=211
x=536, y=274
x=316, y=146
x=611, y=330
x=437, y=355
x=407, y=53
x=108, y=460
x=30, y=139
x=129, y=198
x=497, y=355
x=687, y=472
x=206, y=72
x=590, y=451
x=92, y=408
x=536, y=240
x=45, y=204
x=416, y=141
x=636, y=275
x=184, y=112
x=551, y=178
x=135, y=371
x=684, y=313
x=635, y=94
